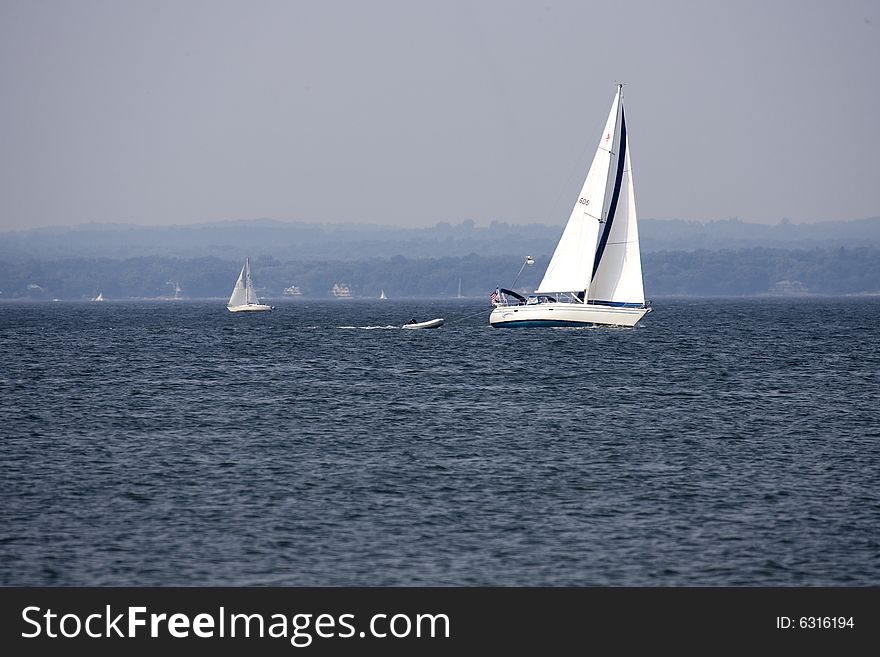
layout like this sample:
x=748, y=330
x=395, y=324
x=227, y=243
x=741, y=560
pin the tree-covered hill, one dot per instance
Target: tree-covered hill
x=730, y=272
x=310, y=241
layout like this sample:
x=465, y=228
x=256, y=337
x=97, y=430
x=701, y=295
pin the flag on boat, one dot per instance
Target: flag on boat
x=496, y=296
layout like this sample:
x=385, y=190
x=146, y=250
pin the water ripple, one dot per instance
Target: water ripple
x=719, y=443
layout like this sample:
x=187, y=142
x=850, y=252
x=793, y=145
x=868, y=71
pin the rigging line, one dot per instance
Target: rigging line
x=576, y=166
x=458, y=319
x=574, y=169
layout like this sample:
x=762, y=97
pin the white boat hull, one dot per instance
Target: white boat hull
x=433, y=323
x=564, y=314
x=250, y=308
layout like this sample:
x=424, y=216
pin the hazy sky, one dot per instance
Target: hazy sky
x=415, y=112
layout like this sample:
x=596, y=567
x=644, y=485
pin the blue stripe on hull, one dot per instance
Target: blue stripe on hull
x=539, y=322
x=617, y=304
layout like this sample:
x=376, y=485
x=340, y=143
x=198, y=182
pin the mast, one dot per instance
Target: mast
x=249, y=286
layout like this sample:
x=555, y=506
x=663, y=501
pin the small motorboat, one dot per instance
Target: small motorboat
x=431, y=323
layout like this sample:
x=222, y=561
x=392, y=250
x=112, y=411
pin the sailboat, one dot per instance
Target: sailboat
x=177, y=291
x=459, y=288
x=595, y=274
x=382, y=295
x=100, y=297
x=244, y=298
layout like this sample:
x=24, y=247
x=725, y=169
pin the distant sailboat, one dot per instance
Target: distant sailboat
x=100, y=297
x=459, y=288
x=595, y=274
x=177, y=290
x=382, y=295
x=244, y=298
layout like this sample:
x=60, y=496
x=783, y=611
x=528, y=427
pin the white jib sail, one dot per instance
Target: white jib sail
x=239, y=295
x=251, y=294
x=618, y=277
x=571, y=266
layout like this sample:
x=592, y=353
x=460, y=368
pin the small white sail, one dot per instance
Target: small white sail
x=239, y=294
x=382, y=295
x=571, y=266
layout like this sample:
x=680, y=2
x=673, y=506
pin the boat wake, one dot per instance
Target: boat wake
x=369, y=328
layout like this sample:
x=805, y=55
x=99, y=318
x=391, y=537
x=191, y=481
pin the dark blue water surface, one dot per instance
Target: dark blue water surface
x=721, y=442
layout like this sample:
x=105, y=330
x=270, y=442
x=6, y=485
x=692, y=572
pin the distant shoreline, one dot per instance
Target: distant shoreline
x=330, y=300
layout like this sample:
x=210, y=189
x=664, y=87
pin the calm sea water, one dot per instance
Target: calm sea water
x=721, y=442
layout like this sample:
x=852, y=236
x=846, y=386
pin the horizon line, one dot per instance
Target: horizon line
x=785, y=221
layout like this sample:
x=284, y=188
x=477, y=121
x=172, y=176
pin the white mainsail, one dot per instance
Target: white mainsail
x=239, y=293
x=249, y=285
x=571, y=266
x=618, y=277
